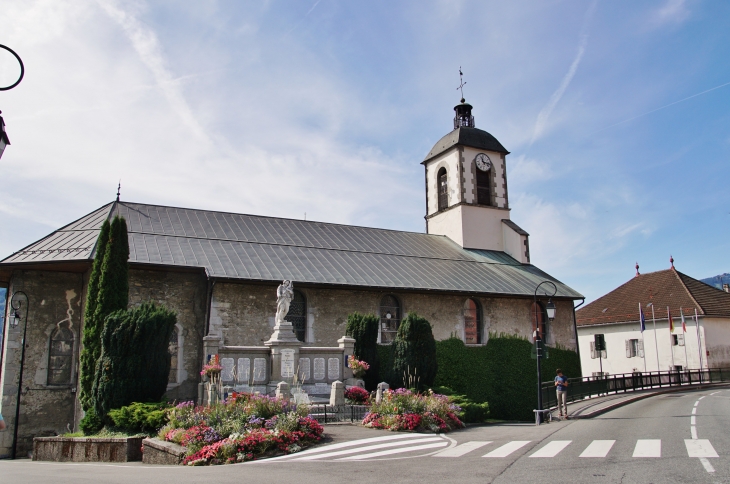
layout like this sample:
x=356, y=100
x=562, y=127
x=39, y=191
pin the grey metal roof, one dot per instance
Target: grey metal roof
x=252, y=247
x=473, y=137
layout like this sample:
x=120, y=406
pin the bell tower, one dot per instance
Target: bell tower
x=466, y=190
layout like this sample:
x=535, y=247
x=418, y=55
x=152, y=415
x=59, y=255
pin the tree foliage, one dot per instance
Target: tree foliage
x=91, y=338
x=135, y=358
x=364, y=328
x=114, y=281
x=414, y=354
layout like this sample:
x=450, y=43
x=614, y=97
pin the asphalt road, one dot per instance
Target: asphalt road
x=650, y=441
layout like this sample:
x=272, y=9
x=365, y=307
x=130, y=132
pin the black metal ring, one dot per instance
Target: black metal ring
x=22, y=68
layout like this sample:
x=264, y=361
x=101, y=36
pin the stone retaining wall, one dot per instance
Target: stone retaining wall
x=86, y=449
x=159, y=452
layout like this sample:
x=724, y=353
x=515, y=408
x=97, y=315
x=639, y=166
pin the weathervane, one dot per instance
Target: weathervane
x=119, y=189
x=461, y=84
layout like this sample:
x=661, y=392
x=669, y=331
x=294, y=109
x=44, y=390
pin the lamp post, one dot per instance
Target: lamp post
x=550, y=309
x=4, y=141
x=16, y=303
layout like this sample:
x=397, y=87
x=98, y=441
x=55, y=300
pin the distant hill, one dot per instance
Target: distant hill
x=717, y=281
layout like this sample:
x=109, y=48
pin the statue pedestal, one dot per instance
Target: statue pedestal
x=284, y=353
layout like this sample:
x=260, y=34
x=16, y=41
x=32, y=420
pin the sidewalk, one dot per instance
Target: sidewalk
x=589, y=408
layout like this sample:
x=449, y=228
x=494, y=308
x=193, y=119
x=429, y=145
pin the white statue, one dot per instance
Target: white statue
x=284, y=296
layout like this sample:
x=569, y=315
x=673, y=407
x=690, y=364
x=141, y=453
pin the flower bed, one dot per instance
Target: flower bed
x=404, y=410
x=242, y=428
x=357, y=396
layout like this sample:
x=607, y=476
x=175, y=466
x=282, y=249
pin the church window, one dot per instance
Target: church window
x=390, y=315
x=174, y=348
x=538, y=320
x=443, y=190
x=60, y=357
x=483, y=182
x=472, y=322
x=297, y=315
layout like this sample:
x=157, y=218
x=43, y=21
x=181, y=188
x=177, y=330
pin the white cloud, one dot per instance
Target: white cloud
x=672, y=12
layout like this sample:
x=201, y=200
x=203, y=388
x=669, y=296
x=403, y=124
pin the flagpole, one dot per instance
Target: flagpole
x=642, y=327
x=671, y=335
x=684, y=338
x=656, y=345
x=699, y=338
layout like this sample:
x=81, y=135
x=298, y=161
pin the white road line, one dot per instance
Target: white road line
x=706, y=464
x=714, y=393
x=336, y=453
x=693, y=420
x=648, y=448
x=342, y=445
x=462, y=449
x=697, y=403
x=598, y=448
x=693, y=431
x=701, y=398
x=699, y=448
x=552, y=448
x=396, y=451
x=507, y=448
x=694, y=411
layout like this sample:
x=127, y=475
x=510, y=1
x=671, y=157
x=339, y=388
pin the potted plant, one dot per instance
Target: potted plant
x=358, y=367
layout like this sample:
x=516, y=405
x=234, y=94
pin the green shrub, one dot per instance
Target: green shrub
x=140, y=417
x=364, y=328
x=385, y=357
x=135, y=358
x=91, y=423
x=471, y=412
x=414, y=354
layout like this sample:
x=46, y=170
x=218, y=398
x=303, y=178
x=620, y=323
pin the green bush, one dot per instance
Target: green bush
x=91, y=423
x=135, y=358
x=471, y=412
x=501, y=373
x=140, y=417
x=414, y=354
x=364, y=328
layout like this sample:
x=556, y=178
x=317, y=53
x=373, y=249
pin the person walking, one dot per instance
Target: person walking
x=561, y=384
x=2, y=423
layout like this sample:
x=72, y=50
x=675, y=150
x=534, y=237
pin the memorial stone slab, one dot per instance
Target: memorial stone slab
x=259, y=369
x=304, y=370
x=227, y=369
x=244, y=370
x=333, y=368
x=287, y=363
x=319, y=369
x=321, y=389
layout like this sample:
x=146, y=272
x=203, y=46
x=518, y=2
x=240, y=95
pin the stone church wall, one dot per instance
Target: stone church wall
x=55, y=301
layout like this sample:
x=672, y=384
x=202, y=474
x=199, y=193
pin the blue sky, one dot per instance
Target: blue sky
x=617, y=116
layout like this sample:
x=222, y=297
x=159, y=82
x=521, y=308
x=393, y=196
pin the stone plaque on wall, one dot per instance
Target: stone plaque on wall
x=319, y=368
x=259, y=369
x=244, y=370
x=287, y=363
x=304, y=371
x=226, y=369
x=321, y=389
x=333, y=368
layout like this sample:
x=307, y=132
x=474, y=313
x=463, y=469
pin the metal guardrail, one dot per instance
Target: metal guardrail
x=587, y=387
x=325, y=413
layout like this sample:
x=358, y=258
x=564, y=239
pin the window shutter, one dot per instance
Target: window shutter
x=641, y=348
x=593, y=350
x=628, y=348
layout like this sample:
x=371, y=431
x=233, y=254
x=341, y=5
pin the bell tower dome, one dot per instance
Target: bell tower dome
x=466, y=190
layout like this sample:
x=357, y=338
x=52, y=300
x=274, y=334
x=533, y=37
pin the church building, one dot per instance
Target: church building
x=470, y=275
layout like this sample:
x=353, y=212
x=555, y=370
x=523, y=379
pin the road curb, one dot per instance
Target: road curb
x=616, y=405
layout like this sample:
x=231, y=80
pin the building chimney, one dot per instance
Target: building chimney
x=726, y=287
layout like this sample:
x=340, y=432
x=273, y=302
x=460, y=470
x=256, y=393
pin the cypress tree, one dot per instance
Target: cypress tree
x=114, y=281
x=135, y=358
x=364, y=328
x=91, y=338
x=414, y=354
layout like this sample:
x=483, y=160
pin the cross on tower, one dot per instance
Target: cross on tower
x=461, y=84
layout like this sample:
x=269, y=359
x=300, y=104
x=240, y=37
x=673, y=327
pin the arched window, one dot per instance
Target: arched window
x=297, y=315
x=472, y=322
x=538, y=320
x=483, y=182
x=390, y=316
x=443, y=189
x=174, y=352
x=60, y=357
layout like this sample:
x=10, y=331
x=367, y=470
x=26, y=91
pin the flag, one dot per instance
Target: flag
x=684, y=325
x=642, y=319
x=671, y=323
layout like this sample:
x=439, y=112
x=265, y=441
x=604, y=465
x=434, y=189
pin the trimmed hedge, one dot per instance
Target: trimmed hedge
x=414, y=354
x=364, y=328
x=140, y=417
x=501, y=373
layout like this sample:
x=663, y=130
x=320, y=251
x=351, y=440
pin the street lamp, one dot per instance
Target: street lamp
x=550, y=309
x=16, y=303
x=4, y=141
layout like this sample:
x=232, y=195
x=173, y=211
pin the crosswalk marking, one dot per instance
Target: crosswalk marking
x=462, y=449
x=648, y=448
x=397, y=451
x=552, y=448
x=699, y=448
x=352, y=450
x=507, y=448
x=598, y=448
